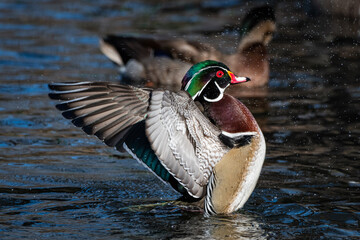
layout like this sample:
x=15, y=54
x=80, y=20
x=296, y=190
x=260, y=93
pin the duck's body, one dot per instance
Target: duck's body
x=145, y=59
x=212, y=154
x=240, y=165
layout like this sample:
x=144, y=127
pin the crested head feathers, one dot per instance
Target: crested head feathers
x=208, y=80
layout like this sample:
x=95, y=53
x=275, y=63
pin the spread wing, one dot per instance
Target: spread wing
x=184, y=140
x=102, y=109
x=181, y=145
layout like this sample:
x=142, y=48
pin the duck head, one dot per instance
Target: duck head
x=208, y=80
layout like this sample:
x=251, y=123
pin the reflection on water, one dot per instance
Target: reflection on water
x=57, y=182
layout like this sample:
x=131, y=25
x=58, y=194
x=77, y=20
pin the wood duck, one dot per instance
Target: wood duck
x=164, y=61
x=204, y=143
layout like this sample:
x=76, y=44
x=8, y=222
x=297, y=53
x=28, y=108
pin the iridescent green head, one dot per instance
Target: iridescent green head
x=208, y=80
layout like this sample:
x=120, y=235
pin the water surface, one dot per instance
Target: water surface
x=56, y=182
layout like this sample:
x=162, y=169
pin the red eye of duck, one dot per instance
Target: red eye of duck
x=219, y=74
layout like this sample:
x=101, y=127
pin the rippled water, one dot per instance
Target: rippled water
x=55, y=182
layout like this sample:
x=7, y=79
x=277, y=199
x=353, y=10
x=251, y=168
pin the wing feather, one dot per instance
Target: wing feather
x=173, y=125
x=185, y=142
x=103, y=109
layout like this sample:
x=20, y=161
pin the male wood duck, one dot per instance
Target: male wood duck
x=164, y=62
x=204, y=143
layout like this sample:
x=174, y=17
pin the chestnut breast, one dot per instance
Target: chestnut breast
x=238, y=171
x=231, y=115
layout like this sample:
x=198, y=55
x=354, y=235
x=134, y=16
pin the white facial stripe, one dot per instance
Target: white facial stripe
x=188, y=84
x=198, y=93
x=221, y=90
x=215, y=99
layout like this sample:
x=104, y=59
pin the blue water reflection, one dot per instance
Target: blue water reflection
x=56, y=182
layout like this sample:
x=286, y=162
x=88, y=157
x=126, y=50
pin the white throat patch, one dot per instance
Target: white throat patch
x=221, y=90
x=199, y=92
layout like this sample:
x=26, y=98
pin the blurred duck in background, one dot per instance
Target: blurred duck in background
x=163, y=62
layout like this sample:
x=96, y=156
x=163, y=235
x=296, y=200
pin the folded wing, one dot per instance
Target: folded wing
x=185, y=141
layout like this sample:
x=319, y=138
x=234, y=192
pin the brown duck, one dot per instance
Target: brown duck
x=164, y=62
x=204, y=143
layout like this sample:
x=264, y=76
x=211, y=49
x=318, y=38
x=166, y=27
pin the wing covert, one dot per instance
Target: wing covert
x=185, y=141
